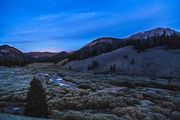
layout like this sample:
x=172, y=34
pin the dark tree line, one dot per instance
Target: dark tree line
x=13, y=63
x=87, y=52
x=172, y=42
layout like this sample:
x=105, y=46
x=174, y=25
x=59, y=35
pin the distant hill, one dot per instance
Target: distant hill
x=48, y=56
x=41, y=54
x=10, y=56
x=58, y=57
x=96, y=47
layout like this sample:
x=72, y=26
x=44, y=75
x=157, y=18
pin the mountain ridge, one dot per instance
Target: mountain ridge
x=141, y=41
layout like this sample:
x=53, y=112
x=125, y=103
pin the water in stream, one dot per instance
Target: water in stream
x=56, y=79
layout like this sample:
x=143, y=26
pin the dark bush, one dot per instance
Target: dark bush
x=84, y=86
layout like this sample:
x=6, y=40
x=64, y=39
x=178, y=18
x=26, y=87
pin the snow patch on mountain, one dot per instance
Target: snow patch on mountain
x=154, y=32
x=5, y=51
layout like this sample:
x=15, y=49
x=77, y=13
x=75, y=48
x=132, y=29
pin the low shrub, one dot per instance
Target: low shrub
x=133, y=112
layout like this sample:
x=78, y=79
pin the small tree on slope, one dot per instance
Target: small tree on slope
x=36, y=105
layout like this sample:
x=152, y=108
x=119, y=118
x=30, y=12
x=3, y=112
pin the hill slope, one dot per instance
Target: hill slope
x=141, y=41
x=96, y=47
x=155, y=61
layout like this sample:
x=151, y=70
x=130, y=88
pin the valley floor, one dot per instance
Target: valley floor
x=87, y=96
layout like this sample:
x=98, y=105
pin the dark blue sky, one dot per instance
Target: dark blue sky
x=56, y=25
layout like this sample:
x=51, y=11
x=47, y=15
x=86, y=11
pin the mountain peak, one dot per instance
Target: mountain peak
x=107, y=40
x=160, y=29
x=5, y=46
x=154, y=32
x=8, y=48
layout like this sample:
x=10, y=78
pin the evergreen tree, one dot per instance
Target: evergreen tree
x=95, y=64
x=94, y=53
x=113, y=68
x=36, y=105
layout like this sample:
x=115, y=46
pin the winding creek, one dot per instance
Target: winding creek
x=56, y=79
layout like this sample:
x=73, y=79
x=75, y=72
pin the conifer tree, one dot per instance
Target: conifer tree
x=36, y=105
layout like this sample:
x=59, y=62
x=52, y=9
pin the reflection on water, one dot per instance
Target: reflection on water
x=56, y=79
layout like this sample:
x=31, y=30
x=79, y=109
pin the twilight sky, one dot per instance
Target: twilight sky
x=56, y=25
